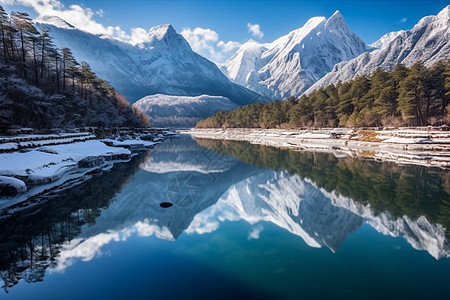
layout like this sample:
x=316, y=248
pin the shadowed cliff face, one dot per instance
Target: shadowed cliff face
x=314, y=196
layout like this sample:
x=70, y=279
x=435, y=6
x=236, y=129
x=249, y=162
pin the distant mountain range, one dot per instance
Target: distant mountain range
x=322, y=52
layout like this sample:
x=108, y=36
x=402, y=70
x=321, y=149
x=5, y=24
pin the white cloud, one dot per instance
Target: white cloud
x=206, y=42
x=403, y=20
x=202, y=40
x=228, y=46
x=83, y=18
x=256, y=231
x=100, y=12
x=255, y=30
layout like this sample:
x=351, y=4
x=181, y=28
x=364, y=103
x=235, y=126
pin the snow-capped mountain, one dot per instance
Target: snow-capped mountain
x=181, y=111
x=247, y=60
x=386, y=39
x=428, y=41
x=165, y=64
x=292, y=63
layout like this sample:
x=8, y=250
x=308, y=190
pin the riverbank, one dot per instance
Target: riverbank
x=33, y=163
x=422, y=146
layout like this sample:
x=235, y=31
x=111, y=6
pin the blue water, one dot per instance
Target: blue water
x=247, y=222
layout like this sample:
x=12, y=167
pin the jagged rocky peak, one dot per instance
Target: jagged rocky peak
x=161, y=31
x=55, y=21
x=167, y=36
x=336, y=20
x=290, y=64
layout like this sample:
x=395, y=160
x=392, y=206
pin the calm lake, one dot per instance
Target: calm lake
x=212, y=219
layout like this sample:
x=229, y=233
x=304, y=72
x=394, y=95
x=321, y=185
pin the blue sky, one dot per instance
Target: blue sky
x=216, y=28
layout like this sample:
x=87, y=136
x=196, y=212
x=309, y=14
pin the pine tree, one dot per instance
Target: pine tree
x=69, y=66
x=384, y=94
x=345, y=107
x=25, y=27
x=4, y=28
x=301, y=114
x=87, y=78
x=271, y=114
x=319, y=104
x=47, y=46
x=411, y=94
x=436, y=101
x=447, y=84
x=331, y=105
x=361, y=102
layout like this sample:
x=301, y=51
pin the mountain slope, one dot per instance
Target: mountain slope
x=181, y=111
x=289, y=65
x=164, y=65
x=428, y=40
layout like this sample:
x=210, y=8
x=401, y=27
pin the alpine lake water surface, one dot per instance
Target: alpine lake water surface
x=211, y=219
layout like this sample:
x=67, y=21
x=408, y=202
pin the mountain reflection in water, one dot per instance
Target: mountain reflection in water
x=315, y=196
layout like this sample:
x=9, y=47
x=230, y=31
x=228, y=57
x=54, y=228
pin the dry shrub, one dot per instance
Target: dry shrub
x=145, y=119
x=122, y=101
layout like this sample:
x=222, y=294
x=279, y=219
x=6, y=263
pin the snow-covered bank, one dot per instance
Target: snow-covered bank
x=423, y=146
x=35, y=163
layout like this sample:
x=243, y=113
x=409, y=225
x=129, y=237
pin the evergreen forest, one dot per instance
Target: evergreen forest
x=414, y=96
x=42, y=86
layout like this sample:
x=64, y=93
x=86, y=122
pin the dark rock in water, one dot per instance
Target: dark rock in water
x=148, y=137
x=91, y=161
x=165, y=204
x=8, y=190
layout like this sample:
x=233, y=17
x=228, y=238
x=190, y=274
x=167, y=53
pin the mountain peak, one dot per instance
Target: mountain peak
x=336, y=19
x=55, y=21
x=160, y=31
x=337, y=14
x=444, y=13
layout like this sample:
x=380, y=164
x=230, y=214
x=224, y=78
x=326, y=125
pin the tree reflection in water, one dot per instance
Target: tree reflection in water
x=30, y=240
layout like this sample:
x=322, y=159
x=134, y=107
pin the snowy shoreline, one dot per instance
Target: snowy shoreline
x=421, y=146
x=31, y=164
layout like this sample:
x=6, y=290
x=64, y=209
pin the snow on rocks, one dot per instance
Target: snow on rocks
x=47, y=164
x=422, y=146
x=11, y=186
x=24, y=141
x=32, y=160
x=133, y=145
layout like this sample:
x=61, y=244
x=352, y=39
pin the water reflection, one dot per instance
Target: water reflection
x=32, y=239
x=408, y=201
x=315, y=196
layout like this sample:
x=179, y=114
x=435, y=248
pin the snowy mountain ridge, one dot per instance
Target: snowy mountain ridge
x=428, y=41
x=55, y=21
x=164, y=64
x=292, y=63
